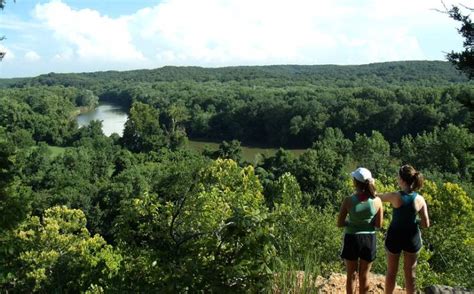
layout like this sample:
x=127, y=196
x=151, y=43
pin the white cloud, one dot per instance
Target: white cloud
x=230, y=32
x=94, y=36
x=216, y=32
x=65, y=55
x=32, y=56
x=223, y=32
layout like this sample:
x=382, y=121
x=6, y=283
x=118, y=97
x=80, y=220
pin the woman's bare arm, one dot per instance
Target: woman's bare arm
x=423, y=213
x=391, y=197
x=343, y=211
x=379, y=216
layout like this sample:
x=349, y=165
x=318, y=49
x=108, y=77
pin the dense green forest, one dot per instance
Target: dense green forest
x=141, y=213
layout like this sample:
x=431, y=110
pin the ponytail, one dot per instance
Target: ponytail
x=370, y=187
x=417, y=181
x=411, y=176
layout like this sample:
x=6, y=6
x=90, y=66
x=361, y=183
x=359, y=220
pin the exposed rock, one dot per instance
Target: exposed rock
x=336, y=283
x=440, y=289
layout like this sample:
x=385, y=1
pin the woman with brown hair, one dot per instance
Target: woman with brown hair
x=404, y=233
x=365, y=213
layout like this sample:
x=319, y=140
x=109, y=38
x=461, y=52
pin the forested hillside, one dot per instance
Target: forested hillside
x=143, y=213
x=287, y=106
x=427, y=73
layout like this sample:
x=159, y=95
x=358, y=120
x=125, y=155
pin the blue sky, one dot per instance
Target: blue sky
x=93, y=35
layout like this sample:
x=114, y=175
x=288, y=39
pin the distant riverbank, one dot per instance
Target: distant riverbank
x=113, y=119
x=250, y=154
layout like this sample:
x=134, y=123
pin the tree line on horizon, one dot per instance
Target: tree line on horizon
x=289, y=109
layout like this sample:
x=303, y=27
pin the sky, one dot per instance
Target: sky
x=100, y=35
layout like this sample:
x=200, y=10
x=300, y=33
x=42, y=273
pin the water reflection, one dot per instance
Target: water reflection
x=113, y=118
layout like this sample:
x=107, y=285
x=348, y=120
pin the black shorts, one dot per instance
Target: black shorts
x=363, y=246
x=398, y=240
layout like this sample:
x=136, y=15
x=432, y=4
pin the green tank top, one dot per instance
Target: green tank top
x=361, y=217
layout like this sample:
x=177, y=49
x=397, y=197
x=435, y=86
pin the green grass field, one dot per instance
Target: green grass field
x=55, y=150
x=249, y=154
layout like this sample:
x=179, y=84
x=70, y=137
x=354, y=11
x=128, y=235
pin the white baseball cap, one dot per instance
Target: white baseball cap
x=361, y=174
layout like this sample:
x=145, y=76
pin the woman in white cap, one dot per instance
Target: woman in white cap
x=365, y=213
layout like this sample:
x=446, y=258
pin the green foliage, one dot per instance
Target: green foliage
x=93, y=131
x=334, y=139
x=173, y=119
x=15, y=204
x=214, y=236
x=57, y=253
x=184, y=223
x=21, y=138
x=446, y=149
x=45, y=112
x=227, y=150
x=280, y=163
x=450, y=240
x=419, y=73
x=86, y=98
x=304, y=233
x=143, y=131
x=464, y=60
x=321, y=175
x=288, y=106
x=307, y=240
x=373, y=153
x=14, y=197
x=425, y=275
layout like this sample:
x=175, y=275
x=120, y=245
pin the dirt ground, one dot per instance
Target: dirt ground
x=336, y=283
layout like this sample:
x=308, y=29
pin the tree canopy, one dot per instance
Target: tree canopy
x=463, y=60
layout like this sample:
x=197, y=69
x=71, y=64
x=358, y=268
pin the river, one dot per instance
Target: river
x=113, y=118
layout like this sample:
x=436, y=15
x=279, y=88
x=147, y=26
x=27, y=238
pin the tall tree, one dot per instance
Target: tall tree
x=14, y=199
x=143, y=131
x=463, y=60
x=373, y=152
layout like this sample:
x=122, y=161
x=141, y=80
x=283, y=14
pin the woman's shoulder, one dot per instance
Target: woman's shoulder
x=419, y=201
x=348, y=201
x=377, y=199
x=351, y=197
x=377, y=202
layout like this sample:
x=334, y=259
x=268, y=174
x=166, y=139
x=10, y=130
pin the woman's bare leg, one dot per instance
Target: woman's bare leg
x=351, y=268
x=409, y=268
x=392, y=269
x=364, y=269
